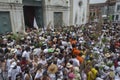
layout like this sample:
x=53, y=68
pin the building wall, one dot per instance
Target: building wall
x=85, y=12
x=117, y=11
x=79, y=12
x=16, y=14
x=97, y=11
x=73, y=12
x=104, y=11
x=11, y=1
x=51, y=6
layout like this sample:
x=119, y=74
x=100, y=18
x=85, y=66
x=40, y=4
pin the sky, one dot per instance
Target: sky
x=97, y=1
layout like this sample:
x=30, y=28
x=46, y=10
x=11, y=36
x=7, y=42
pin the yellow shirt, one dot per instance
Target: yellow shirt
x=90, y=76
x=95, y=72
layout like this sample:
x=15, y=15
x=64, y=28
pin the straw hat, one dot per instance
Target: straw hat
x=52, y=69
x=42, y=39
x=13, y=51
x=76, y=69
x=55, y=39
x=9, y=48
x=69, y=65
x=22, y=38
x=18, y=47
x=111, y=74
x=107, y=55
x=28, y=37
x=5, y=39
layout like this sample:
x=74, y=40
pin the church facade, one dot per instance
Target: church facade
x=17, y=15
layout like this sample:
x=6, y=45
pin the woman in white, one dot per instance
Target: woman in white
x=39, y=72
x=27, y=75
x=42, y=60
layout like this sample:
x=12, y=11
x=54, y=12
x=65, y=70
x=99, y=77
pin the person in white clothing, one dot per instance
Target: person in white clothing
x=117, y=76
x=39, y=72
x=26, y=53
x=14, y=71
x=75, y=61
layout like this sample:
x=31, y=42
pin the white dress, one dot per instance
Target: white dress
x=39, y=74
x=26, y=75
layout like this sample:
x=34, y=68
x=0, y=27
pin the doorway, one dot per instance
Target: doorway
x=33, y=16
x=58, y=20
x=5, y=22
x=29, y=14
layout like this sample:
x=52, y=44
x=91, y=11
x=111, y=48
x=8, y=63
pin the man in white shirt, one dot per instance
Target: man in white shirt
x=37, y=51
x=14, y=71
x=75, y=61
x=26, y=53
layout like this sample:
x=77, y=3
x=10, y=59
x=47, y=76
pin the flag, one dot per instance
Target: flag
x=35, y=23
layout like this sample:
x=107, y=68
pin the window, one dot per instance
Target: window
x=90, y=14
x=94, y=14
x=113, y=17
x=117, y=17
x=118, y=7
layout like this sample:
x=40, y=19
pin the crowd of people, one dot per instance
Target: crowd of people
x=74, y=53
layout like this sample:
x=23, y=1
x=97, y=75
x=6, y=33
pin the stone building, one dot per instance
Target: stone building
x=97, y=11
x=56, y=13
x=17, y=15
x=117, y=11
x=103, y=11
x=79, y=12
x=11, y=16
x=66, y=12
x=111, y=9
x=33, y=13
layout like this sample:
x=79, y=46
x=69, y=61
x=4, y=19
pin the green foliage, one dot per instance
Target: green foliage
x=40, y=44
x=96, y=55
x=101, y=67
x=110, y=64
x=94, y=36
x=16, y=37
x=105, y=50
x=104, y=40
